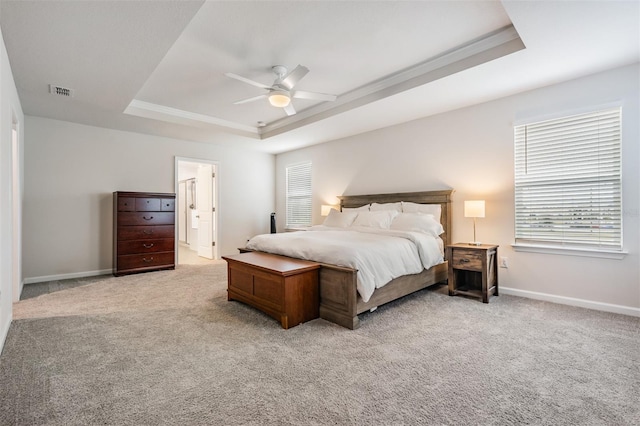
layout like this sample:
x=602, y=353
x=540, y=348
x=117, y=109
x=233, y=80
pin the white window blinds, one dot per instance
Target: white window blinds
x=568, y=186
x=298, y=195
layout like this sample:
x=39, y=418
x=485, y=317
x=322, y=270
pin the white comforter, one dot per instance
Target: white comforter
x=379, y=255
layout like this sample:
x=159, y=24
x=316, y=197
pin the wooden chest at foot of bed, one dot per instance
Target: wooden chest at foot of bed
x=283, y=288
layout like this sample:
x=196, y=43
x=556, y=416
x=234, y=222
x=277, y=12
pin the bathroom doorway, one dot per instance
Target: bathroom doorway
x=197, y=210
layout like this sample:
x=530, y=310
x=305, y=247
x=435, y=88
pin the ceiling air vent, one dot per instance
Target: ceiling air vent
x=61, y=91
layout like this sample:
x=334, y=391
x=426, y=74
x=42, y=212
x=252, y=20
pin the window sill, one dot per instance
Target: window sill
x=565, y=251
x=297, y=228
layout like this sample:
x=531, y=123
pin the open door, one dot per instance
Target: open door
x=204, y=195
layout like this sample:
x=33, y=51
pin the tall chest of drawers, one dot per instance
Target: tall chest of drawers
x=143, y=232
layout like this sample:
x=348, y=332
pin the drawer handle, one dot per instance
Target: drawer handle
x=464, y=261
x=147, y=218
x=148, y=245
x=147, y=260
x=147, y=232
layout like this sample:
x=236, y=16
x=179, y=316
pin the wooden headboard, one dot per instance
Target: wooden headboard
x=442, y=197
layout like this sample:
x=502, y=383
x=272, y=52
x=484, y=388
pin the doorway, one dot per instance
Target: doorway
x=196, y=210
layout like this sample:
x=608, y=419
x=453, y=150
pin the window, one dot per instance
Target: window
x=298, y=195
x=568, y=186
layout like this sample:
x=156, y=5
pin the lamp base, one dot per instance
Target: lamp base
x=475, y=243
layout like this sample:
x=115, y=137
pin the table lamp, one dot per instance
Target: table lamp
x=474, y=209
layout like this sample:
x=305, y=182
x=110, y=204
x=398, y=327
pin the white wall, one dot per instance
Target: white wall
x=10, y=267
x=71, y=171
x=471, y=151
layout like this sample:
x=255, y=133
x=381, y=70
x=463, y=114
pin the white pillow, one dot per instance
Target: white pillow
x=386, y=206
x=380, y=219
x=434, y=209
x=339, y=219
x=356, y=209
x=417, y=222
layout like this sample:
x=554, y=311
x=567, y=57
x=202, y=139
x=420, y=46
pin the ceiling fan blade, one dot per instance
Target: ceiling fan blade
x=246, y=80
x=294, y=76
x=290, y=110
x=255, y=98
x=300, y=94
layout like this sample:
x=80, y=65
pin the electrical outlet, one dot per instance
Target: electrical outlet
x=504, y=262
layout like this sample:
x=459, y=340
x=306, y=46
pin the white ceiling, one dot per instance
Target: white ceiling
x=158, y=67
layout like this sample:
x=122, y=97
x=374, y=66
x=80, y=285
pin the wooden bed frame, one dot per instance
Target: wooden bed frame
x=340, y=302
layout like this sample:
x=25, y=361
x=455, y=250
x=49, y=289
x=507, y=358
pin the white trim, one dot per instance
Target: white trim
x=165, y=113
x=45, y=278
x=4, y=332
x=297, y=228
x=16, y=208
x=571, y=251
x=497, y=44
x=571, y=301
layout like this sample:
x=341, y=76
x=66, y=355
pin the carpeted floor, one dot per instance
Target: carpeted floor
x=167, y=348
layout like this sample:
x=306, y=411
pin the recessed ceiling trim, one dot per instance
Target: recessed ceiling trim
x=491, y=46
x=174, y=115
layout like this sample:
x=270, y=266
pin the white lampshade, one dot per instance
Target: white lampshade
x=279, y=98
x=325, y=209
x=474, y=208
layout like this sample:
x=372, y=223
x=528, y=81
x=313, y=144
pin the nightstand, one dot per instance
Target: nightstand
x=473, y=270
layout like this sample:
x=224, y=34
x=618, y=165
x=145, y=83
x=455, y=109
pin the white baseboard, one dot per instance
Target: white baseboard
x=34, y=280
x=582, y=303
x=4, y=331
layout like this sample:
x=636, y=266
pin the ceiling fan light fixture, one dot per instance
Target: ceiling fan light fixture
x=279, y=98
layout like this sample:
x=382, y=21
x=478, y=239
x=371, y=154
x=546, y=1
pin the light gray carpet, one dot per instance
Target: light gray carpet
x=166, y=348
x=37, y=289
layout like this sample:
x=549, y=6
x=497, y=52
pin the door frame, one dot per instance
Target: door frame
x=216, y=198
x=16, y=206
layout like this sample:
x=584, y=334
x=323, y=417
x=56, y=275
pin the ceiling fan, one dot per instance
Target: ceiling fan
x=282, y=90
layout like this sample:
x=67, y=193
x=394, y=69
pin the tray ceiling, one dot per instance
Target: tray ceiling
x=158, y=67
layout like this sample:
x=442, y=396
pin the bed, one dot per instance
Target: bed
x=340, y=300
